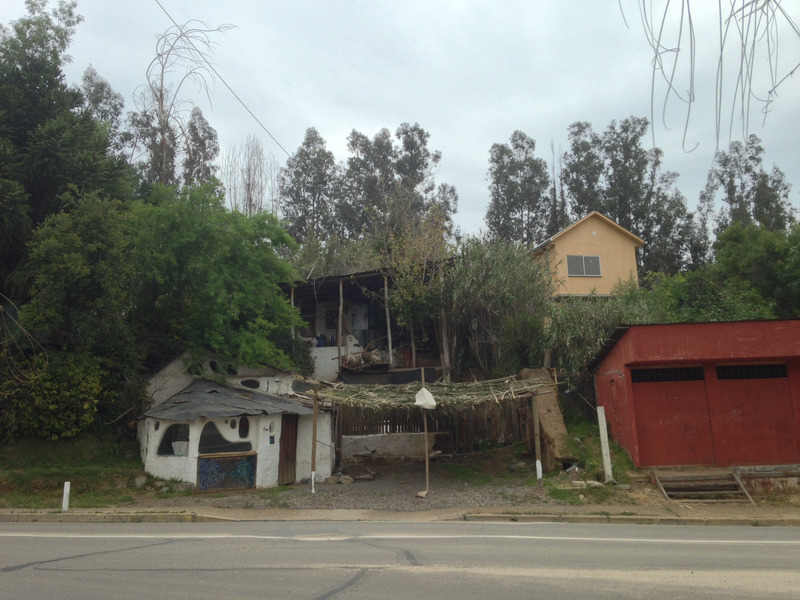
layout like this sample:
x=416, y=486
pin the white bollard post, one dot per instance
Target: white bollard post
x=65, y=500
x=604, y=449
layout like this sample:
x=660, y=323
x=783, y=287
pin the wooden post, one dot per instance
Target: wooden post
x=537, y=440
x=414, y=347
x=388, y=317
x=292, y=296
x=528, y=424
x=339, y=325
x=425, y=428
x=314, y=442
x=445, y=334
x=604, y=449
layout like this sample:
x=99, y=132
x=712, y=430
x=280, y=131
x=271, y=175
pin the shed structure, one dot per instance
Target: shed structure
x=712, y=394
x=215, y=436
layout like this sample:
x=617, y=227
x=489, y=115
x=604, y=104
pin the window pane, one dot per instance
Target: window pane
x=667, y=374
x=574, y=265
x=752, y=371
x=591, y=265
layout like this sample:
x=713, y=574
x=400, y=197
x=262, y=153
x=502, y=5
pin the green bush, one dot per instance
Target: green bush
x=55, y=397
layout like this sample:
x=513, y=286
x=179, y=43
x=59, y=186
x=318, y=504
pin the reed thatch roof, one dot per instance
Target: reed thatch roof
x=450, y=398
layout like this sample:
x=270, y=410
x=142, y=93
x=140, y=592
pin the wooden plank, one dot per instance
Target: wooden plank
x=741, y=487
x=388, y=317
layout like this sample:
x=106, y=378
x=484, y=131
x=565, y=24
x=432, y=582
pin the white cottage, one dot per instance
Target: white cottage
x=217, y=437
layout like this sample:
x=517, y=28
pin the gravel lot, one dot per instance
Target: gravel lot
x=454, y=482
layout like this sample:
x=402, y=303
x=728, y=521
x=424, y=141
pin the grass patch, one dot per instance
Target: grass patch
x=584, y=444
x=101, y=471
x=83, y=450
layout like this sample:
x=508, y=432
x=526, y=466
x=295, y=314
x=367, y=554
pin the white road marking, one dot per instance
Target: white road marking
x=391, y=536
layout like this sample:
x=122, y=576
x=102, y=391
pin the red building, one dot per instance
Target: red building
x=721, y=394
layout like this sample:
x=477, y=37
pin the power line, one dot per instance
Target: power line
x=222, y=79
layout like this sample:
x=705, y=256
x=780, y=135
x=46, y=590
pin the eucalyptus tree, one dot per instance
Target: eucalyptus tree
x=613, y=173
x=308, y=186
x=161, y=123
x=520, y=206
x=105, y=106
x=745, y=192
x=389, y=184
x=200, y=150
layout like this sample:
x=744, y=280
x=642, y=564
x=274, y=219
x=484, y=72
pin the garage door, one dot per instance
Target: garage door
x=672, y=418
x=753, y=419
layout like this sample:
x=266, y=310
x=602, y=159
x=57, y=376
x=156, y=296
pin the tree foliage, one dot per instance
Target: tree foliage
x=250, y=178
x=200, y=150
x=208, y=278
x=578, y=327
x=766, y=260
x=615, y=175
x=48, y=143
x=389, y=187
x=308, y=187
x=747, y=193
x=162, y=126
x=519, y=209
x=703, y=296
x=497, y=297
x=56, y=397
x=80, y=297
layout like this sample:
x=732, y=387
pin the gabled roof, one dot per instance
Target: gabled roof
x=592, y=215
x=209, y=400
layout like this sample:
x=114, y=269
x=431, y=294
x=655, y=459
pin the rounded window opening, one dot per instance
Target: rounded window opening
x=233, y=423
x=244, y=427
x=250, y=383
x=175, y=441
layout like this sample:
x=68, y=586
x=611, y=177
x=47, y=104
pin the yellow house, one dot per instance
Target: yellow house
x=591, y=256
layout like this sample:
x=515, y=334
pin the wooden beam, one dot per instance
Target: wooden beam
x=339, y=325
x=388, y=316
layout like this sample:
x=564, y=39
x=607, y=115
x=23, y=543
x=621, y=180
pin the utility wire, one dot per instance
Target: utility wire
x=222, y=79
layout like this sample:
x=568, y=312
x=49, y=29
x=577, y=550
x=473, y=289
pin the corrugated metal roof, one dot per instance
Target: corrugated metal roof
x=209, y=400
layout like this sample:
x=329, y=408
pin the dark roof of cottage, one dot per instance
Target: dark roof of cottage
x=210, y=400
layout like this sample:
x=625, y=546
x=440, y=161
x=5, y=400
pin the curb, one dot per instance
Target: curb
x=636, y=520
x=194, y=517
x=60, y=517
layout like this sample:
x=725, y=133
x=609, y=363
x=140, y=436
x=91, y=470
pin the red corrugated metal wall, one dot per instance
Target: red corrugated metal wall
x=673, y=424
x=718, y=418
x=754, y=423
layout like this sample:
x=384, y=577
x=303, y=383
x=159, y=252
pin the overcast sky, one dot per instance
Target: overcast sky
x=470, y=73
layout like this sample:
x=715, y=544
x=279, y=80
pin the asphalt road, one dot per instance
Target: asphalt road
x=390, y=561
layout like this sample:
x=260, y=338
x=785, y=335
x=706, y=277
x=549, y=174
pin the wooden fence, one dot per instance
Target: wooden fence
x=462, y=431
